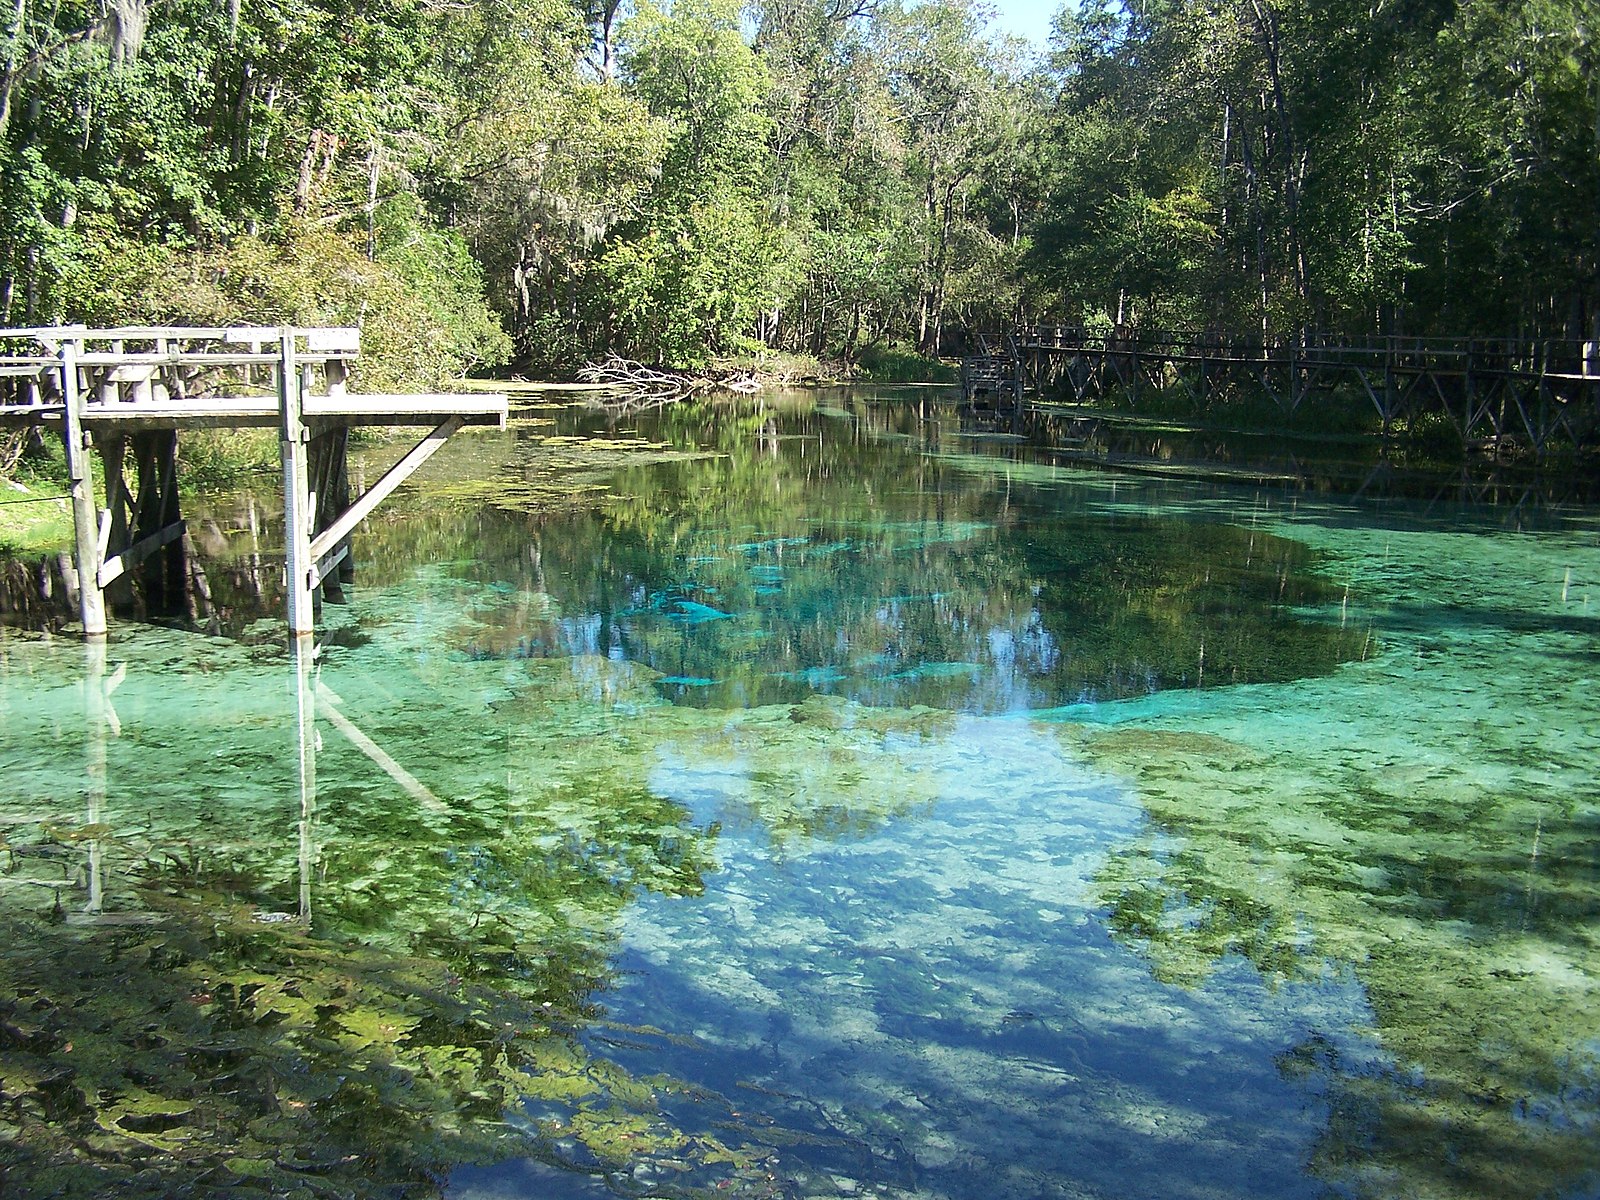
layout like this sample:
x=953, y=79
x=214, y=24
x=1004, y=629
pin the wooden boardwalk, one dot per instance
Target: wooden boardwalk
x=125, y=394
x=994, y=375
x=1542, y=395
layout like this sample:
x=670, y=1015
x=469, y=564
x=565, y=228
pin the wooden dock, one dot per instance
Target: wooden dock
x=125, y=394
x=1540, y=394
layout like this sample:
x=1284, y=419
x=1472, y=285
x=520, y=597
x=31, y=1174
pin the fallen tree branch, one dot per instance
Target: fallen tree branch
x=652, y=387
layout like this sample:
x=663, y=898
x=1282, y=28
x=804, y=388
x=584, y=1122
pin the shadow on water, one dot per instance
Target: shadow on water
x=1443, y=618
x=1506, y=491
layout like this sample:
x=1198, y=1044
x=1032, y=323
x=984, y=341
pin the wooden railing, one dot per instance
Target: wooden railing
x=1540, y=393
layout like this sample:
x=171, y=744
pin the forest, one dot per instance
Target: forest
x=543, y=182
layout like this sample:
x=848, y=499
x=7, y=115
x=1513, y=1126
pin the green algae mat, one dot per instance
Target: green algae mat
x=799, y=800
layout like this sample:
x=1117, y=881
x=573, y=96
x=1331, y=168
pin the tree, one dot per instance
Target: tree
x=686, y=278
x=952, y=93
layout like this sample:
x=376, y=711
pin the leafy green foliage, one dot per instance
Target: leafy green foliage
x=1276, y=166
x=686, y=278
x=688, y=180
x=218, y=165
x=421, y=325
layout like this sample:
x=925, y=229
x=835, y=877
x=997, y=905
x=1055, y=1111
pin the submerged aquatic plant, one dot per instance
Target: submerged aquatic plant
x=1422, y=842
x=208, y=1054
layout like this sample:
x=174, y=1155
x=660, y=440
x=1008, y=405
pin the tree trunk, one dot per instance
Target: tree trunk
x=372, y=203
x=14, y=32
x=302, y=186
x=1295, y=164
x=925, y=300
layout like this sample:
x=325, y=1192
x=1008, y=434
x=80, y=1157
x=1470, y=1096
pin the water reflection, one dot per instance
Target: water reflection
x=1505, y=491
x=229, y=568
x=360, y=984
x=944, y=992
x=844, y=559
x=223, y=993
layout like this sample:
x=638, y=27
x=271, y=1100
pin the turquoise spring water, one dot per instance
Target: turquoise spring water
x=780, y=801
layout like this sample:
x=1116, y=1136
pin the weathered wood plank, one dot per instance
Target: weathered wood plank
x=440, y=404
x=328, y=563
x=257, y=410
x=191, y=358
x=192, y=406
x=339, y=339
x=118, y=564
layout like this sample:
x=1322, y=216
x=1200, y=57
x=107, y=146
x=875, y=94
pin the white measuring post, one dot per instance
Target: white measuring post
x=298, y=507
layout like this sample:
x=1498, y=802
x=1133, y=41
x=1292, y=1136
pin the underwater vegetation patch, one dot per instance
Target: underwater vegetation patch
x=415, y=987
x=723, y=846
x=1374, y=851
x=207, y=1054
x=553, y=473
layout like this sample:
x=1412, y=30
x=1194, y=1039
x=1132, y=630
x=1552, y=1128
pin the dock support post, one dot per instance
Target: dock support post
x=158, y=516
x=113, y=450
x=330, y=490
x=85, y=518
x=297, y=506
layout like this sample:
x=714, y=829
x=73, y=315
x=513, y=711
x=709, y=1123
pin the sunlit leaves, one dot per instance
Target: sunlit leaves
x=1363, y=167
x=686, y=278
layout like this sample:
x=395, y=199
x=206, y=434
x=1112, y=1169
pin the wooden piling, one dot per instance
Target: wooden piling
x=86, y=527
x=113, y=450
x=328, y=462
x=158, y=524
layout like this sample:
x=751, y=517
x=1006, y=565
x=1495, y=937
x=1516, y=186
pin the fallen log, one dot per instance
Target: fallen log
x=640, y=386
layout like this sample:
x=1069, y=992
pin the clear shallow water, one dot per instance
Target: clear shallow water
x=940, y=861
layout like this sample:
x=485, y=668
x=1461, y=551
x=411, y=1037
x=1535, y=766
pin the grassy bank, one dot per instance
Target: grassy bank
x=893, y=363
x=875, y=363
x=33, y=521
x=35, y=514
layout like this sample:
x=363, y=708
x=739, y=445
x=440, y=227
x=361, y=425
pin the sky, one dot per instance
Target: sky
x=1026, y=18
